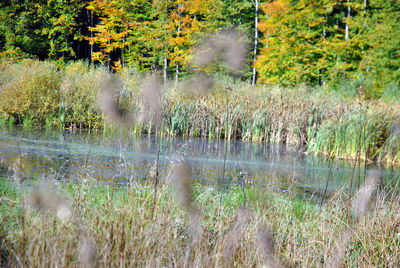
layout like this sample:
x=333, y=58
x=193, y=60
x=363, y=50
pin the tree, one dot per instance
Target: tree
x=110, y=32
x=20, y=28
x=187, y=20
x=256, y=4
x=60, y=25
x=309, y=41
x=382, y=59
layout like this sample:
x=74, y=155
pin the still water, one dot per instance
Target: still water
x=122, y=159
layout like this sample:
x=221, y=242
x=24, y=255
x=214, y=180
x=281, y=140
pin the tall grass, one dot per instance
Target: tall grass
x=104, y=229
x=326, y=124
x=365, y=130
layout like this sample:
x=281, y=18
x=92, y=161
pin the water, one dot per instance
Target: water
x=121, y=159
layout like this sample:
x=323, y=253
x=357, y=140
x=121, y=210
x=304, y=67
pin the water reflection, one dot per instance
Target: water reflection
x=122, y=159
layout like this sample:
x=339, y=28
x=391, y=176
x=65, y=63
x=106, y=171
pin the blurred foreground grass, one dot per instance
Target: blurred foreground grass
x=92, y=224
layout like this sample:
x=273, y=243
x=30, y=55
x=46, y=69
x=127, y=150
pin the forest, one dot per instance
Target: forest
x=317, y=43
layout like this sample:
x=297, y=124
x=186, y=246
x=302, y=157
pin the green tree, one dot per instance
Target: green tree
x=20, y=28
x=60, y=25
x=382, y=60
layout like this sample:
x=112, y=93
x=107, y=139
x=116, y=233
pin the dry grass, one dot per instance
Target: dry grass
x=113, y=227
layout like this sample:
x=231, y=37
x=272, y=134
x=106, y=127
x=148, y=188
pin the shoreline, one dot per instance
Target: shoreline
x=325, y=123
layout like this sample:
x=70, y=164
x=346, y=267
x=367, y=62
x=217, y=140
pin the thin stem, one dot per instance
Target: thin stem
x=156, y=172
x=226, y=148
x=326, y=186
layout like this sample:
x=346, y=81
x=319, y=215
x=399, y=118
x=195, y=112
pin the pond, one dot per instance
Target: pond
x=120, y=158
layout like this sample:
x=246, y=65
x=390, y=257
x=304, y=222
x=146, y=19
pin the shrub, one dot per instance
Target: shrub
x=30, y=90
x=79, y=92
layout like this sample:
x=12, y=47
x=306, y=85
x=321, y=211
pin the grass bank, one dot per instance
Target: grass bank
x=327, y=122
x=96, y=225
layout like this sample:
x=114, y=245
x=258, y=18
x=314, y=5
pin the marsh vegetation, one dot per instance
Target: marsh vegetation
x=37, y=94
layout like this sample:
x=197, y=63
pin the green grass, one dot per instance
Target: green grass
x=113, y=226
x=27, y=123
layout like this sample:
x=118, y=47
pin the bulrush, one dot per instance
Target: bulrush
x=17, y=170
x=181, y=180
x=87, y=252
x=363, y=196
x=110, y=107
x=47, y=201
x=198, y=85
x=151, y=101
x=226, y=46
x=265, y=245
x=359, y=204
x=152, y=110
x=232, y=241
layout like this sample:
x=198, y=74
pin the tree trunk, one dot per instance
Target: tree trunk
x=179, y=34
x=177, y=73
x=91, y=35
x=123, y=53
x=365, y=13
x=122, y=48
x=256, y=5
x=108, y=55
x=346, y=36
x=267, y=45
x=165, y=59
x=165, y=69
x=230, y=12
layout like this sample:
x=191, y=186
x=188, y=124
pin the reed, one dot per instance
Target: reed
x=362, y=132
x=327, y=124
x=274, y=228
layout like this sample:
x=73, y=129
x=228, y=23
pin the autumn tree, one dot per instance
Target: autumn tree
x=111, y=31
x=309, y=41
x=187, y=20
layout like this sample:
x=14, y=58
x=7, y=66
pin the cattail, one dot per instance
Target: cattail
x=227, y=46
x=195, y=226
x=362, y=197
x=266, y=248
x=87, y=253
x=233, y=238
x=151, y=101
x=199, y=84
x=359, y=205
x=47, y=201
x=17, y=170
x=181, y=180
x=151, y=175
x=236, y=53
x=335, y=260
x=110, y=107
x=395, y=129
